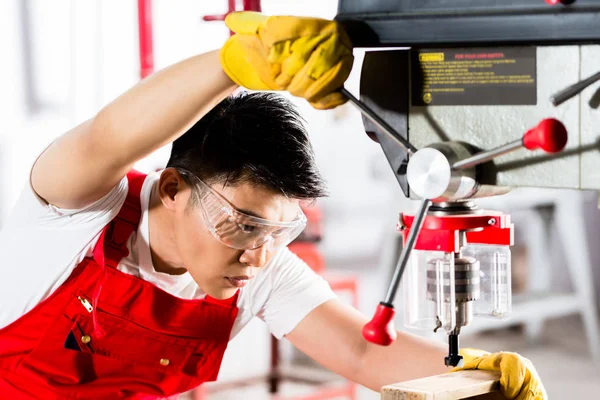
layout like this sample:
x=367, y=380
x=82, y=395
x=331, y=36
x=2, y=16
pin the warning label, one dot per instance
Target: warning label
x=474, y=76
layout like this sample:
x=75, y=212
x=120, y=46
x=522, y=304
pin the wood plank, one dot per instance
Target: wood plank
x=472, y=385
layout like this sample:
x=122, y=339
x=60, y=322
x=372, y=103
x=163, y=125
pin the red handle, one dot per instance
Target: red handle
x=381, y=329
x=550, y=135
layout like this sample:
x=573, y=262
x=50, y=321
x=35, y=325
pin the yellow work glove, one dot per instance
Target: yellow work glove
x=518, y=377
x=309, y=57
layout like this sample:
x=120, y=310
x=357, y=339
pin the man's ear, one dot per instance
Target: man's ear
x=172, y=189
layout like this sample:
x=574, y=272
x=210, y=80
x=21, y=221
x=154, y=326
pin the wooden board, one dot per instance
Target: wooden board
x=472, y=385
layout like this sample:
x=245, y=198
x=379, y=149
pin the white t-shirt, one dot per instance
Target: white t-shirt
x=40, y=245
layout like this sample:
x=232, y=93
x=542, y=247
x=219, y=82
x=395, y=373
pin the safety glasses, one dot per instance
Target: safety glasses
x=239, y=230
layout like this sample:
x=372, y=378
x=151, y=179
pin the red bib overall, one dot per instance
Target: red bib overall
x=105, y=334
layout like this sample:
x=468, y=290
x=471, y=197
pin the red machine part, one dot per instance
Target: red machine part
x=555, y=2
x=549, y=135
x=381, y=329
x=440, y=233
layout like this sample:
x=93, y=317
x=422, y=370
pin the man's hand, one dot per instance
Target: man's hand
x=518, y=378
x=309, y=57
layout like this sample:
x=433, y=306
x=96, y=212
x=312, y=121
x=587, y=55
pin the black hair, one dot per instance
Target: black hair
x=257, y=138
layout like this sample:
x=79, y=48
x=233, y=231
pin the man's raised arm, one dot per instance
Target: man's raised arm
x=89, y=160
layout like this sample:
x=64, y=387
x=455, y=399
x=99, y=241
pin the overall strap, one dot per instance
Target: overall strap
x=112, y=245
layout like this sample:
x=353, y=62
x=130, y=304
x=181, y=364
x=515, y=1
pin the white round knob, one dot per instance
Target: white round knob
x=429, y=173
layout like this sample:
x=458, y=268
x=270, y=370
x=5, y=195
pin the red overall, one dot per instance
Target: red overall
x=105, y=334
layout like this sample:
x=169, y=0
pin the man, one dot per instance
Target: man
x=118, y=285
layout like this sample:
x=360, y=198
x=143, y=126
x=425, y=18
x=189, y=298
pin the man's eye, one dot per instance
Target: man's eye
x=246, y=228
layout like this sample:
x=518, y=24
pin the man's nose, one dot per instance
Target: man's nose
x=257, y=257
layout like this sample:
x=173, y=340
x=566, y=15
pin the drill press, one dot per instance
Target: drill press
x=467, y=76
x=455, y=263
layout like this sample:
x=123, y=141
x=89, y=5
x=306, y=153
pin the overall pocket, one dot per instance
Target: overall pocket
x=128, y=358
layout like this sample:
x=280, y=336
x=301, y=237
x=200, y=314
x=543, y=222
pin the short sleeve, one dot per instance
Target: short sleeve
x=295, y=291
x=40, y=245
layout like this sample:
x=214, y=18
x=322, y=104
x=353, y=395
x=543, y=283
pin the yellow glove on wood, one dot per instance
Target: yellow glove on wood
x=518, y=377
x=309, y=57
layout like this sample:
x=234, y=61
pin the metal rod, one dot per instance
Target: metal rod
x=408, y=248
x=573, y=90
x=488, y=155
x=379, y=122
x=453, y=358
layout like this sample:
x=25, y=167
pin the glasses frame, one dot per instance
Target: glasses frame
x=231, y=209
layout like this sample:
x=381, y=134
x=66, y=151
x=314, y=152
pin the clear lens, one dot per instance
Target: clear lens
x=241, y=231
x=495, y=276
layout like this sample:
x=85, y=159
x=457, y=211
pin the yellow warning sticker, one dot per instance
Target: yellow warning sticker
x=431, y=57
x=474, y=76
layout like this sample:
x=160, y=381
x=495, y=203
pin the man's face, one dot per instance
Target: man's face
x=220, y=270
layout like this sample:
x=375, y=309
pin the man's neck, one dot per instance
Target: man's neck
x=165, y=257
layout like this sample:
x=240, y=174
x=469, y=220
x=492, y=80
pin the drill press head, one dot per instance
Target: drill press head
x=454, y=298
x=459, y=270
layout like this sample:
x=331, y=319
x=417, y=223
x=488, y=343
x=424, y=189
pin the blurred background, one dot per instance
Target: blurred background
x=63, y=60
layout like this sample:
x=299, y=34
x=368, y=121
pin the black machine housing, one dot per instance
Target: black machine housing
x=418, y=24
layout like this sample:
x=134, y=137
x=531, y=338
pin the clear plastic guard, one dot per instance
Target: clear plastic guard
x=495, y=300
x=428, y=287
x=445, y=298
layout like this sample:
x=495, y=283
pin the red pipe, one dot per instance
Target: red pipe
x=145, y=38
x=252, y=5
x=145, y=29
